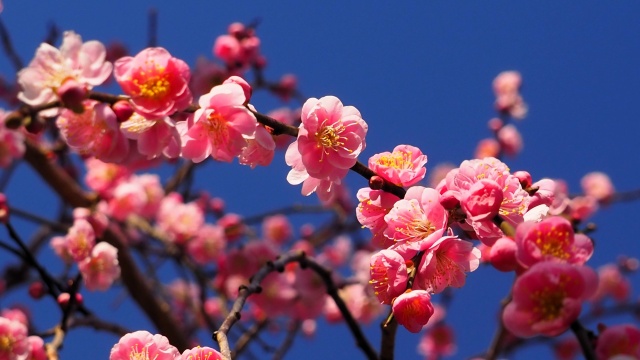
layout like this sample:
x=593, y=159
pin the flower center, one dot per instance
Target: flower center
x=6, y=344
x=329, y=138
x=549, y=303
x=217, y=128
x=396, y=160
x=152, y=81
x=554, y=243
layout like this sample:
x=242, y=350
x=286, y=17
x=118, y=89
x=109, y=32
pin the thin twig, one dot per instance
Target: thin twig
x=7, y=45
x=288, y=340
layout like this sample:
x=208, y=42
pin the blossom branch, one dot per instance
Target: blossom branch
x=585, y=338
x=278, y=265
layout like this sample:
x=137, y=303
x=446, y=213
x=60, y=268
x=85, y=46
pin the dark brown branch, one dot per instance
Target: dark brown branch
x=254, y=287
x=248, y=336
x=57, y=178
x=585, y=338
x=388, y=343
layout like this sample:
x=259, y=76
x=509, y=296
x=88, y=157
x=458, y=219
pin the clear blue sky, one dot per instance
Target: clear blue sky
x=420, y=74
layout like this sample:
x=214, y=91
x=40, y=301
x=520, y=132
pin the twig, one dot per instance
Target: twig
x=278, y=265
x=585, y=339
x=153, y=27
x=248, y=336
x=388, y=343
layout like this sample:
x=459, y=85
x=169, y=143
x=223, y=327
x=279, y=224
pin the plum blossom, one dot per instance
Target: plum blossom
x=413, y=309
x=373, y=206
x=13, y=340
x=101, y=269
x=259, y=150
x=506, y=87
x=220, y=127
x=515, y=200
x=201, y=353
x=154, y=137
x=388, y=275
x=83, y=63
x=552, y=239
x=510, y=140
x=330, y=138
x=403, y=167
x=143, y=345
x=437, y=342
x=156, y=81
x=612, y=284
x=239, y=48
x=208, y=244
x=416, y=222
x=619, y=342
x=598, y=185
x=80, y=240
x=277, y=228
x=547, y=298
x=103, y=177
x=178, y=220
x=95, y=132
x=445, y=264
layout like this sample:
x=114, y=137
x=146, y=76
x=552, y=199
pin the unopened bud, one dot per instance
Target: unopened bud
x=449, y=201
x=14, y=120
x=36, y=290
x=376, y=182
x=72, y=93
x=524, y=177
x=123, y=110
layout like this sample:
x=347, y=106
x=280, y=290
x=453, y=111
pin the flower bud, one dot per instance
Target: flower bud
x=123, y=110
x=72, y=94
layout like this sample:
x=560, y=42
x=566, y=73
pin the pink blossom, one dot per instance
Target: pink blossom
x=552, y=239
x=201, y=353
x=618, y=341
x=373, y=206
x=597, y=185
x=360, y=303
x=81, y=62
x=178, y=220
x=95, y=132
x=277, y=228
x=36, y=348
x=582, y=207
x=259, y=150
x=208, y=244
x=128, y=199
x=102, y=177
x=612, y=283
x=487, y=148
x=143, y=345
x=277, y=296
x=80, y=240
x=338, y=252
x=506, y=86
x=154, y=137
x=503, y=255
x=413, y=309
x=330, y=138
x=548, y=298
x=437, y=342
x=101, y=269
x=482, y=201
x=438, y=173
x=446, y=263
x=239, y=49
x=59, y=246
x=13, y=340
x=416, y=222
x=403, y=167
x=246, y=88
x=11, y=143
x=510, y=140
x=156, y=82
x=515, y=200
x=220, y=127
x=388, y=275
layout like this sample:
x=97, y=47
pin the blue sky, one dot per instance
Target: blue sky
x=420, y=73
